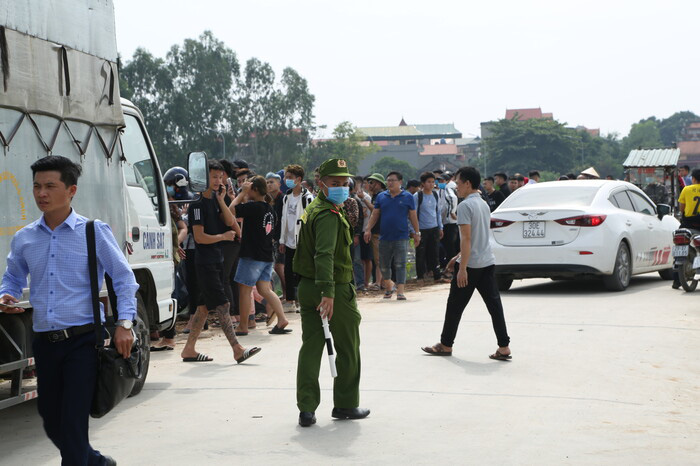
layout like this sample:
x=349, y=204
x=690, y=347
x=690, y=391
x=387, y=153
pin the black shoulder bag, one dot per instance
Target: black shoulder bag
x=116, y=376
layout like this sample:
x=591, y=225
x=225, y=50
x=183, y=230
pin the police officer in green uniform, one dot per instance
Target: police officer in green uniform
x=323, y=262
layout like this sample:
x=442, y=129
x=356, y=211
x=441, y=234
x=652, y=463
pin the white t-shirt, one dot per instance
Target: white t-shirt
x=293, y=212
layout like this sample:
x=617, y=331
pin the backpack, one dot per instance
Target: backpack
x=437, y=204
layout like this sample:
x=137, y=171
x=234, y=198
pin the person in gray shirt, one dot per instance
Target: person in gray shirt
x=474, y=268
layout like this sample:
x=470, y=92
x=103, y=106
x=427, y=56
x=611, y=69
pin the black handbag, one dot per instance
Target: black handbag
x=116, y=376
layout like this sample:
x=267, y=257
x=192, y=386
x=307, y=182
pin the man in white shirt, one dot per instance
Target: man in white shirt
x=448, y=210
x=293, y=205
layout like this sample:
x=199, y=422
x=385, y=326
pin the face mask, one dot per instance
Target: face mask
x=290, y=184
x=442, y=185
x=338, y=195
x=170, y=190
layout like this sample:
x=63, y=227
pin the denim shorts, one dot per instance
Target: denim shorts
x=250, y=271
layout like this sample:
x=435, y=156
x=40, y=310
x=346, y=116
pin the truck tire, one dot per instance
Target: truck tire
x=144, y=342
x=619, y=280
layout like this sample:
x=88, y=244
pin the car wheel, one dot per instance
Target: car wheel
x=620, y=278
x=144, y=342
x=666, y=274
x=686, y=274
x=503, y=282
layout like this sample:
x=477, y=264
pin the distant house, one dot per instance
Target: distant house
x=522, y=114
x=419, y=145
x=690, y=145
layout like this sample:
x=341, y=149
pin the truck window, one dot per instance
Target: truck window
x=139, y=169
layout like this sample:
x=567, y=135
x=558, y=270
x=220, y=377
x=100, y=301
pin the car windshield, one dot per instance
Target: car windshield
x=551, y=196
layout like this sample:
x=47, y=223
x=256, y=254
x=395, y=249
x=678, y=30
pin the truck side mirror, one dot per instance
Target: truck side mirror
x=663, y=209
x=197, y=167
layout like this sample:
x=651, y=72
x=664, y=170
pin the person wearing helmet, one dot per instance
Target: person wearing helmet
x=177, y=182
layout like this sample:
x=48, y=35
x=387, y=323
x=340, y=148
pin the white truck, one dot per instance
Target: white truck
x=59, y=94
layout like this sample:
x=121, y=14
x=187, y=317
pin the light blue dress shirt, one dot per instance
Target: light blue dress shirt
x=57, y=263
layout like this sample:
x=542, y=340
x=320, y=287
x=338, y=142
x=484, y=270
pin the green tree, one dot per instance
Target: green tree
x=346, y=144
x=542, y=144
x=644, y=134
x=391, y=164
x=670, y=128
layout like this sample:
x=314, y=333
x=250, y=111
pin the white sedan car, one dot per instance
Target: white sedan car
x=571, y=229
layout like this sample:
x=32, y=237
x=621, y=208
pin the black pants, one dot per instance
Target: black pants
x=290, y=280
x=231, y=250
x=450, y=240
x=428, y=253
x=483, y=280
x=191, y=279
x=66, y=373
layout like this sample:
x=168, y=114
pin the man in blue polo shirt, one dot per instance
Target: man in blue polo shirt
x=395, y=207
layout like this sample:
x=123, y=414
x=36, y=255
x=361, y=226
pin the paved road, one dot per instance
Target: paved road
x=596, y=378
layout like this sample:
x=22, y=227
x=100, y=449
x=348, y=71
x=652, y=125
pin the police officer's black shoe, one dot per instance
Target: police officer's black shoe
x=109, y=461
x=350, y=413
x=306, y=418
x=676, y=285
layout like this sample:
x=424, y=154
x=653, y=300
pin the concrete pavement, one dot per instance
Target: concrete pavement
x=596, y=378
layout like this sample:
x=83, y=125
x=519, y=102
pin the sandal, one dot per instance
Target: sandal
x=249, y=353
x=437, y=350
x=498, y=356
x=201, y=357
x=388, y=294
x=400, y=297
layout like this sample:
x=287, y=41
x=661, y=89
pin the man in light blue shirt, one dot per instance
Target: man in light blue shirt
x=431, y=229
x=53, y=251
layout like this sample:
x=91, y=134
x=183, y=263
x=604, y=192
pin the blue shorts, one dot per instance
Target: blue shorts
x=250, y=271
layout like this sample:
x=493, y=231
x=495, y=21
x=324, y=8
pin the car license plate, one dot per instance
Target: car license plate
x=533, y=229
x=680, y=251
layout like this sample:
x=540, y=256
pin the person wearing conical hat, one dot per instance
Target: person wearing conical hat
x=323, y=262
x=590, y=174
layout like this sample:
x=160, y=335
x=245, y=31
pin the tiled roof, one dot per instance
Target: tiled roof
x=524, y=113
x=440, y=149
x=410, y=130
x=652, y=158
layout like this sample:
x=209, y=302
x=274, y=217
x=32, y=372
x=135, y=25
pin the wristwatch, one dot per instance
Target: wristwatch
x=125, y=323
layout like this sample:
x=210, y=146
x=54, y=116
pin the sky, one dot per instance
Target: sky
x=601, y=64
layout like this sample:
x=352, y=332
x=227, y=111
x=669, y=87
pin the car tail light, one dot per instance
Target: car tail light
x=498, y=223
x=582, y=221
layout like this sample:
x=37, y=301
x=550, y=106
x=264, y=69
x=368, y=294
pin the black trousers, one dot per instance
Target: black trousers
x=191, y=280
x=428, y=253
x=483, y=280
x=231, y=250
x=66, y=374
x=290, y=280
x=450, y=240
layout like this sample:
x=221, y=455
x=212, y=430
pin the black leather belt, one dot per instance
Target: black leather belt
x=60, y=335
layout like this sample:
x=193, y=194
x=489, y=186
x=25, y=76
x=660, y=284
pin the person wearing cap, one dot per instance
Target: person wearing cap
x=377, y=184
x=323, y=262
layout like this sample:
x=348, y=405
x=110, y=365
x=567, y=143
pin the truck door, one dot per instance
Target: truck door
x=149, y=230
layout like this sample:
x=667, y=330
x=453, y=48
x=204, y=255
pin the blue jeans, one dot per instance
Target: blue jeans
x=396, y=251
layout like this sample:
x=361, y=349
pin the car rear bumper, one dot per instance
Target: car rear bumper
x=553, y=261
x=546, y=270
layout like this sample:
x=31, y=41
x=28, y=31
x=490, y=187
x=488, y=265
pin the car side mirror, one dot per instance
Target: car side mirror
x=662, y=210
x=197, y=168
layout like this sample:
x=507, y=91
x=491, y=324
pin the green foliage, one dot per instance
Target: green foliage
x=546, y=175
x=346, y=144
x=644, y=134
x=197, y=98
x=390, y=164
x=549, y=147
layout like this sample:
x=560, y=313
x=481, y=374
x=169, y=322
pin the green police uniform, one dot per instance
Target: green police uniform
x=323, y=261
